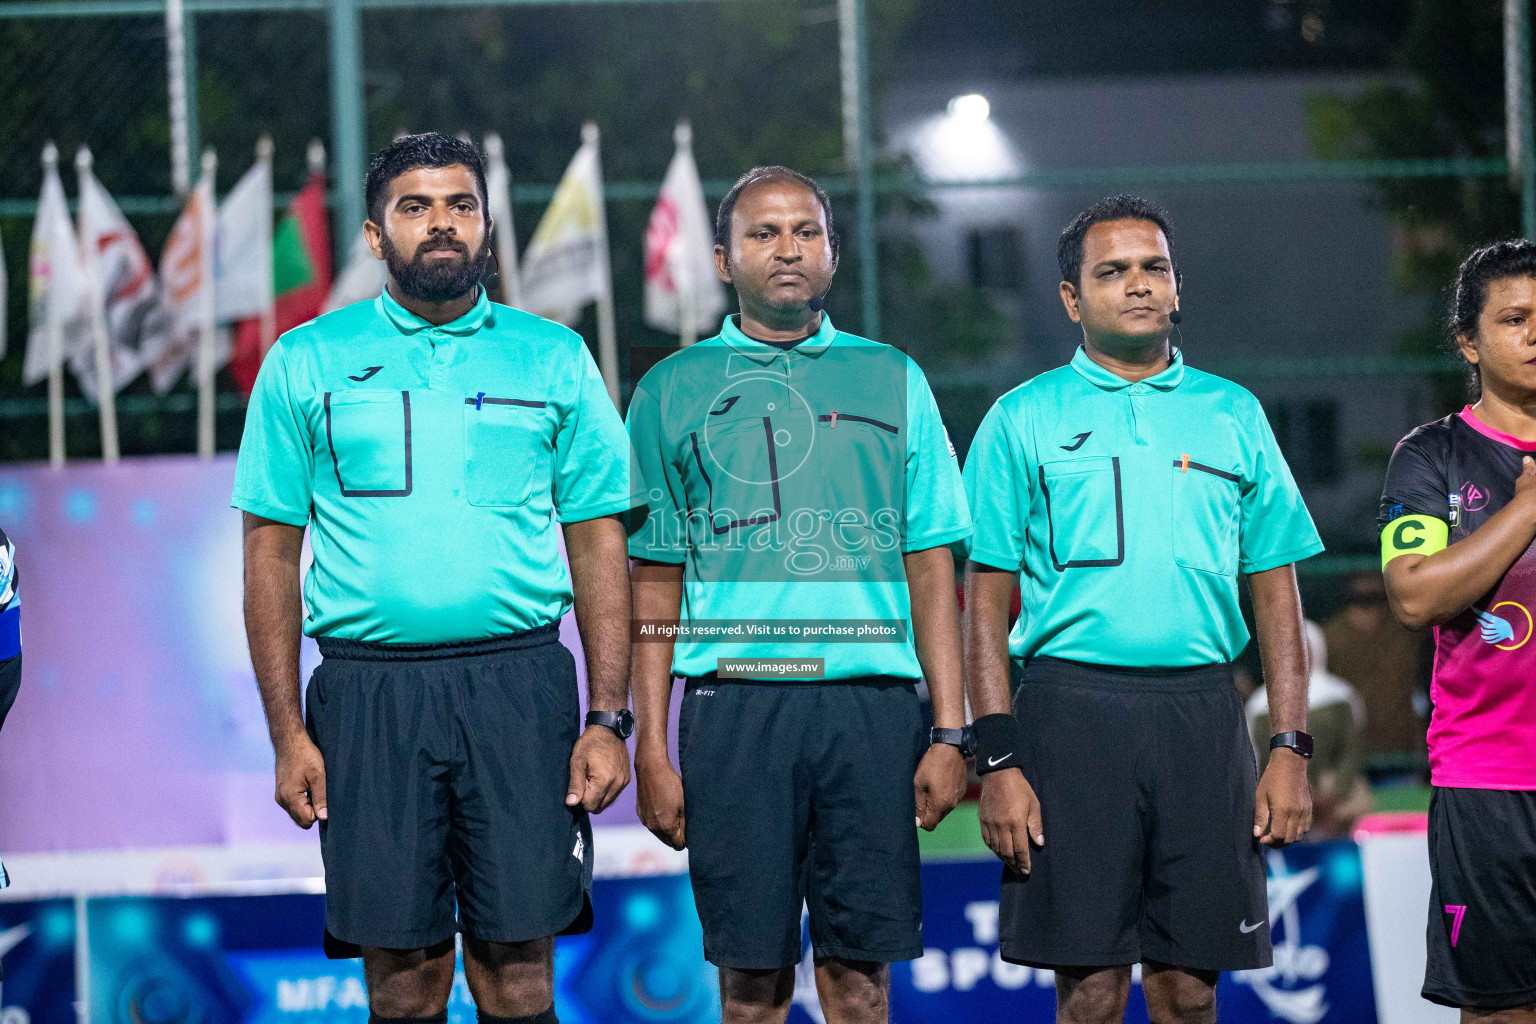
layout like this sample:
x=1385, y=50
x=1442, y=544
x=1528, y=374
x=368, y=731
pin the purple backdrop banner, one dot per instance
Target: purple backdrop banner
x=138, y=723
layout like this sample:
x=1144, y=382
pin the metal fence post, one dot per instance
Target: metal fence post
x=189, y=73
x=347, y=117
x=1527, y=139
x=859, y=150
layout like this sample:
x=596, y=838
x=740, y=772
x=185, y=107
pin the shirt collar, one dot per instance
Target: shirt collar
x=410, y=323
x=762, y=352
x=1100, y=377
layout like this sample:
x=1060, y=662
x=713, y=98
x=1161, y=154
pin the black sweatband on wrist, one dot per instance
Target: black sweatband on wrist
x=999, y=740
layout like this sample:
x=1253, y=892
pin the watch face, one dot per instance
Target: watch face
x=626, y=724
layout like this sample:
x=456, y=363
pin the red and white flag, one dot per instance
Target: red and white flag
x=186, y=282
x=124, y=285
x=683, y=295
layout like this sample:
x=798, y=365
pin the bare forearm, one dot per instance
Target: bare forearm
x=273, y=614
x=1282, y=650
x=988, y=593
x=1425, y=591
x=658, y=597
x=600, y=581
x=936, y=632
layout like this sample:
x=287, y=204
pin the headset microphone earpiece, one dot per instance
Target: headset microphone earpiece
x=1175, y=318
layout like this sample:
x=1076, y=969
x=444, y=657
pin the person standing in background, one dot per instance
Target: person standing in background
x=1385, y=662
x=10, y=651
x=1335, y=717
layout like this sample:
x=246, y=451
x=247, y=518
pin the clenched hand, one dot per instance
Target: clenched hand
x=939, y=784
x=1282, y=807
x=659, y=799
x=301, y=780
x=599, y=769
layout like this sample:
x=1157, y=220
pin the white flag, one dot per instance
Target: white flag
x=242, y=250
x=185, y=289
x=682, y=293
x=126, y=279
x=498, y=185
x=566, y=265
x=361, y=280
x=57, y=287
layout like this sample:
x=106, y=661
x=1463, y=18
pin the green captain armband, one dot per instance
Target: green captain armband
x=1413, y=535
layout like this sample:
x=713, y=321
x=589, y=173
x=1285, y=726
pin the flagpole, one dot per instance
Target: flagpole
x=106, y=392
x=506, y=234
x=55, y=344
x=207, y=325
x=269, y=311
x=607, y=329
x=176, y=66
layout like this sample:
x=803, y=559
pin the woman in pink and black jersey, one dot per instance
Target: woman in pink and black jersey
x=1458, y=517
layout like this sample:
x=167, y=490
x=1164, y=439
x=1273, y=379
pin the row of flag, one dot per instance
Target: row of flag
x=225, y=269
x=221, y=261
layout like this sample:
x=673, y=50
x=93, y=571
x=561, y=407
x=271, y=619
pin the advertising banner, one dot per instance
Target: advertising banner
x=37, y=954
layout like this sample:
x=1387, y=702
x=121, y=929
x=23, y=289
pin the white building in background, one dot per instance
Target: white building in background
x=1272, y=269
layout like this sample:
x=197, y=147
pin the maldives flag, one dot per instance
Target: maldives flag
x=301, y=278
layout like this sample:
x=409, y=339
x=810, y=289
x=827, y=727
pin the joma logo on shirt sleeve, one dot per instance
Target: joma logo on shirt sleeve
x=1413, y=535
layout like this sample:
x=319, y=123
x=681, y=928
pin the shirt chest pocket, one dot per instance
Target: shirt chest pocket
x=739, y=462
x=859, y=461
x=508, y=450
x=1085, y=512
x=369, y=435
x=1206, y=510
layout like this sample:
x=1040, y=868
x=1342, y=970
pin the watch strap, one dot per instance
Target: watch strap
x=1300, y=742
x=960, y=738
x=621, y=722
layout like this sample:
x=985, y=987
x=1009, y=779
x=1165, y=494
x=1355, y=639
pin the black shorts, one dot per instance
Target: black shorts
x=446, y=770
x=1146, y=781
x=801, y=793
x=1482, y=899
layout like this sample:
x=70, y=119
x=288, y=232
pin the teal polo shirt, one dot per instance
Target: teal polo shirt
x=431, y=465
x=1128, y=511
x=789, y=484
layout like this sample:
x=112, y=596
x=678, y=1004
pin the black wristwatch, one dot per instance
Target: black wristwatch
x=964, y=738
x=622, y=721
x=1299, y=741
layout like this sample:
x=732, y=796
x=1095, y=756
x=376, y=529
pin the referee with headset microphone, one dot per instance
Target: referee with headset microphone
x=1126, y=493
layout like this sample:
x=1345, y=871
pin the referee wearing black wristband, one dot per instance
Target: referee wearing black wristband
x=1126, y=493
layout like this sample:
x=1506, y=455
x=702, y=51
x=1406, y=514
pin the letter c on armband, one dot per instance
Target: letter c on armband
x=1413, y=535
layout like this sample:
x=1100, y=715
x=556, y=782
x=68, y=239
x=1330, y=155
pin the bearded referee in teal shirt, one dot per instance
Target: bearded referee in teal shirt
x=1127, y=493
x=431, y=440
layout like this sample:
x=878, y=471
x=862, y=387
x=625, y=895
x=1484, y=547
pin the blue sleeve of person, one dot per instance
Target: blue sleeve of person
x=10, y=636
x=10, y=601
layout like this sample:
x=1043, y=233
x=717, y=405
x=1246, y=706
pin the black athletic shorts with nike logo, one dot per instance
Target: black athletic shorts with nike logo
x=446, y=771
x=1146, y=781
